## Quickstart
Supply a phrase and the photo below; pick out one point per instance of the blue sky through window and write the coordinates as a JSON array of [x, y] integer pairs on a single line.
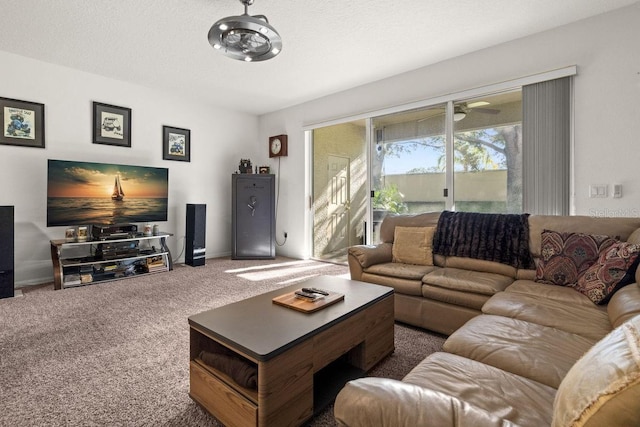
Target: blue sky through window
[[405, 156]]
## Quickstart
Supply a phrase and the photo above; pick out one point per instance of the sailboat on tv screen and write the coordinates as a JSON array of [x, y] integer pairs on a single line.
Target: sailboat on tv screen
[[118, 194]]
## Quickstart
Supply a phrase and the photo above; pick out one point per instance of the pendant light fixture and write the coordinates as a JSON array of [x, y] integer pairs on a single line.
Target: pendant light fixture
[[245, 37]]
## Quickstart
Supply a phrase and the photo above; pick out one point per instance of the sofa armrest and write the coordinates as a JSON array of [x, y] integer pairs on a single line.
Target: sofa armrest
[[385, 402], [363, 256]]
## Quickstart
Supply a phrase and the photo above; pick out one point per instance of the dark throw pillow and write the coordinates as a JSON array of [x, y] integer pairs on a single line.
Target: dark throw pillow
[[564, 257], [615, 268]]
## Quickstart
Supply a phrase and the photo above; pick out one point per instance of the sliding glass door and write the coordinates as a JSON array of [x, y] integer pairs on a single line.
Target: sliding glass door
[[462, 155], [487, 154], [408, 163]]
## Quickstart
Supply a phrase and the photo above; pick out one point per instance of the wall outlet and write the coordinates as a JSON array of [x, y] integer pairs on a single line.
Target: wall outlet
[[617, 191]]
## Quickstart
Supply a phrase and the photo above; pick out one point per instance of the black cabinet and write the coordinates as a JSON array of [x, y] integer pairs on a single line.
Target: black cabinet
[[6, 252], [253, 216]]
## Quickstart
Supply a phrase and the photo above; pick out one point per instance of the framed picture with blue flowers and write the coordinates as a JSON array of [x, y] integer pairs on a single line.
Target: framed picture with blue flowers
[[176, 144], [22, 123]]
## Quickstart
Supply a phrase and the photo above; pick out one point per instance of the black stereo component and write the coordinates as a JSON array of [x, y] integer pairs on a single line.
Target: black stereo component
[[116, 250], [102, 232], [196, 243]]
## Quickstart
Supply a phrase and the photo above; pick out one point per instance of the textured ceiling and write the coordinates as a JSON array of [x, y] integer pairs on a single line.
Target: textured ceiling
[[328, 45]]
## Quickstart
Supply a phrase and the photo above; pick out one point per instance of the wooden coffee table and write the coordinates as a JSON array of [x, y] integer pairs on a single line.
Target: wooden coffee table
[[302, 359]]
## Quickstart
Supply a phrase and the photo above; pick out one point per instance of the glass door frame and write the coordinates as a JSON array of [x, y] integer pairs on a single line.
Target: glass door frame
[[449, 99]]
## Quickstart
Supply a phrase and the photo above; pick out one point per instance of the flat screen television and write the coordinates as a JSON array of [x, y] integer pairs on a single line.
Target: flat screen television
[[84, 193]]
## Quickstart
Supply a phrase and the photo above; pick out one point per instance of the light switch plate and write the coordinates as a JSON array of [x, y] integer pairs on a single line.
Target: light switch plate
[[598, 190]]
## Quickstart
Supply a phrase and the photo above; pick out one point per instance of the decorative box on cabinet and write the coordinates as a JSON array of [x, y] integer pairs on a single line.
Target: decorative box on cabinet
[[92, 261], [253, 216]]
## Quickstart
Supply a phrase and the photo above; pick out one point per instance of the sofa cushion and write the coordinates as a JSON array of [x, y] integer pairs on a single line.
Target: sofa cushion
[[615, 268], [412, 245], [533, 351], [634, 237], [566, 256], [590, 321], [564, 294], [603, 387], [368, 255], [468, 280], [397, 269], [404, 278], [624, 305], [372, 401], [452, 296], [505, 395], [525, 274], [480, 265]]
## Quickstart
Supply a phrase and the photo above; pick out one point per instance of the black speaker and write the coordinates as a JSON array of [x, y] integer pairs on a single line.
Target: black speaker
[[6, 252], [196, 235]]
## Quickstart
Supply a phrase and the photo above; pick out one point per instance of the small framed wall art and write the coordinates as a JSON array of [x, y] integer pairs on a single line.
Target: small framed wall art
[[111, 125], [176, 144], [22, 123]]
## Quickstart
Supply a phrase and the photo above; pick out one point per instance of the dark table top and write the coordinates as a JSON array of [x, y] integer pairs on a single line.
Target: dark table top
[[262, 329]]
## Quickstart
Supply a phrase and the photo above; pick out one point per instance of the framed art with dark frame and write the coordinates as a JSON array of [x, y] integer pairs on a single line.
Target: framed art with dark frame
[[176, 144], [111, 125], [22, 123]]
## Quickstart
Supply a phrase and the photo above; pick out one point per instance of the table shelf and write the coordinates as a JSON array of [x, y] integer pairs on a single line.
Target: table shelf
[[80, 263]]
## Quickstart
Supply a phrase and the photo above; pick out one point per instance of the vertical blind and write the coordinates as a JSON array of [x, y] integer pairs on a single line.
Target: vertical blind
[[546, 134]]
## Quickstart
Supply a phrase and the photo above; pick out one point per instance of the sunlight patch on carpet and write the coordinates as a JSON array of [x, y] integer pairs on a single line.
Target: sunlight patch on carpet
[[282, 272], [302, 278], [269, 266]]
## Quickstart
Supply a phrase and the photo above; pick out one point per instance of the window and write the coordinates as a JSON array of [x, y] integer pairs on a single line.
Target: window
[[487, 154], [503, 149]]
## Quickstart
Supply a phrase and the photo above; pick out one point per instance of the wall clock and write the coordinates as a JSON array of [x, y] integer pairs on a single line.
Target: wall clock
[[278, 146]]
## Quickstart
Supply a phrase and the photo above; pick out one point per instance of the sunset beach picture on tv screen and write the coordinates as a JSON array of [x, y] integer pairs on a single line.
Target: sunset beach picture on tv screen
[[83, 193]]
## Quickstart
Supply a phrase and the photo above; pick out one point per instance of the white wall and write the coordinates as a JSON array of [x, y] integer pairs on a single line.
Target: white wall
[[607, 109], [218, 140], [607, 100]]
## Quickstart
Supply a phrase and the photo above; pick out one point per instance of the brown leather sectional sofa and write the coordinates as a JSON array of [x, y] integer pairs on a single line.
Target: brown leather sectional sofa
[[520, 352]]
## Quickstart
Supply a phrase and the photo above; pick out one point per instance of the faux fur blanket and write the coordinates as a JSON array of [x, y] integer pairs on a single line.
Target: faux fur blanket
[[503, 238]]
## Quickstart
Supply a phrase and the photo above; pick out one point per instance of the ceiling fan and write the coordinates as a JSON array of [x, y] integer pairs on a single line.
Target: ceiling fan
[[245, 37], [461, 109]]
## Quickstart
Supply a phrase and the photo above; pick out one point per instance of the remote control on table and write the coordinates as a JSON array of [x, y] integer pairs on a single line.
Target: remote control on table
[[315, 291], [307, 295]]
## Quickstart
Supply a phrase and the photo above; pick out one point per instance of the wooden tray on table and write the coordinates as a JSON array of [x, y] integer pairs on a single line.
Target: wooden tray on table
[[289, 300]]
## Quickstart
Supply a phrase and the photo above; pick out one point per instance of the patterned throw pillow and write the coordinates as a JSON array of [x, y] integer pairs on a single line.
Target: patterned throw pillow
[[564, 257], [615, 268], [412, 245]]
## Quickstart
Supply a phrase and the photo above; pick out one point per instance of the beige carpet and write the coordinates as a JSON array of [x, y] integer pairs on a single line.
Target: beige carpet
[[117, 353]]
